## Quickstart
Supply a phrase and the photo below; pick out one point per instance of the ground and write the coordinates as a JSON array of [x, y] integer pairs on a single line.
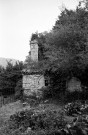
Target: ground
[[52, 112], [7, 110]]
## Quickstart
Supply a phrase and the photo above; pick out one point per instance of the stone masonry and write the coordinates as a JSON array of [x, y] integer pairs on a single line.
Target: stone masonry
[[33, 81]]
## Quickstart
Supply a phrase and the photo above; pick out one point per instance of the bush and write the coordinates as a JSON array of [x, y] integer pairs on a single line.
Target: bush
[[32, 100], [37, 120], [46, 92], [19, 90], [45, 122], [21, 119], [76, 108], [73, 108]]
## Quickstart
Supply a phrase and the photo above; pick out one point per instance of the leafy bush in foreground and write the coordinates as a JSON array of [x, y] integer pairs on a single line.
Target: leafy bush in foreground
[[45, 122], [55, 126], [37, 120], [76, 108]]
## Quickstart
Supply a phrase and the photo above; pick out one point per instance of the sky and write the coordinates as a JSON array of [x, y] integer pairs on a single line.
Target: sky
[[20, 18]]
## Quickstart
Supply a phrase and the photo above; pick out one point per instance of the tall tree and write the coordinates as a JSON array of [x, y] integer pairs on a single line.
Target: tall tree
[[9, 78], [68, 40]]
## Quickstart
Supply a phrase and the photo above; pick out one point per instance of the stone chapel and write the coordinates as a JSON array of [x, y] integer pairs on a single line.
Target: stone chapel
[[33, 80]]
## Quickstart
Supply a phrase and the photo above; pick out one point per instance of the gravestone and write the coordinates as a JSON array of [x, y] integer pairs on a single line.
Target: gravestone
[[74, 84]]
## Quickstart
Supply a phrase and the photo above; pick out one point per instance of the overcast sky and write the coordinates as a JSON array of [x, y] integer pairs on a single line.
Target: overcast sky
[[20, 18]]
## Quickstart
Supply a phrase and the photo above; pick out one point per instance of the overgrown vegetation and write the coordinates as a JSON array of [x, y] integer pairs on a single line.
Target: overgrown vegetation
[[63, 52], [47, 121], [10, 79]]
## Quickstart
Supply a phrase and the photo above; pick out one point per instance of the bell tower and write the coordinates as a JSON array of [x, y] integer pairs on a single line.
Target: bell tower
[[34, 50]]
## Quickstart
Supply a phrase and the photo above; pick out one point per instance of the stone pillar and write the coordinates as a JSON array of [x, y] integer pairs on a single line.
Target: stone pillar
[[34, 50]]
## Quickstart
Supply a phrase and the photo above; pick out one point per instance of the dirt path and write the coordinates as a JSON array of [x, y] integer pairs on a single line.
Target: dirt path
[[11, 108]]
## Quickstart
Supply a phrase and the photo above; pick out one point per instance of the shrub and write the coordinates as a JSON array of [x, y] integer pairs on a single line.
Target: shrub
[[21, 119], [73, 108], [48, 121], [46, 92], [76, 108], [45, 122], [36, 120]]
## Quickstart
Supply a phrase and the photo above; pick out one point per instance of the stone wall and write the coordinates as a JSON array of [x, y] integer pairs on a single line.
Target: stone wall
[[31, 83]]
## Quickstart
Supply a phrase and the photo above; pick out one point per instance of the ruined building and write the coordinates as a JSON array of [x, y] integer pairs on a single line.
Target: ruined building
[[33, 80]]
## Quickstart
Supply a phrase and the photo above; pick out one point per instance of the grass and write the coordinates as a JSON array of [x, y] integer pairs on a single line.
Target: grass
[[7, 110]]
